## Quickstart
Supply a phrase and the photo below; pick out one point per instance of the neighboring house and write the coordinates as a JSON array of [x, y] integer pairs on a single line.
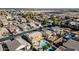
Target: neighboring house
[[1, 36], [32, 25], [4, 45], [16, 23], [18, 44], [38, 24], [4, 20], [9, 17], [72, 44], [76, 32], [14, 29], [47, 33], [72, 23], [1, 48], [23, 20], [77, 20], [1, 24], [61, 48], [24, 27], [58, 40], [56, 29]]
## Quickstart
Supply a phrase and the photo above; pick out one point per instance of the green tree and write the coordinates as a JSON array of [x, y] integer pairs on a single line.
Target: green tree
[[29, 15], [45, 21], [56, 22], [67, 17], [51, 17]]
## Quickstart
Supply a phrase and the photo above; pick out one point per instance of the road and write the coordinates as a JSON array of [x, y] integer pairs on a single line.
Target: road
[[20, 34]]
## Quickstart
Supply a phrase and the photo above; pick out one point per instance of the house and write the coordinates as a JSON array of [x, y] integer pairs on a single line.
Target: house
[[1, 36], [4, 32], [34, 37], [72, 44], [1, 24], [16, 18], [1, 48], [3, 20], [16, 23], [65, 23], [32, 25], [61, 48], [14, 29], [18, 44], [23, 20], [47, 33], [53, 38], [38, 24], [4, 45], [58, 40], [76, 19], [72, 23], [39, 18], [24, 27], [56, 29], [76, 32], [9, 17], [50, 35], [50, 21]]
